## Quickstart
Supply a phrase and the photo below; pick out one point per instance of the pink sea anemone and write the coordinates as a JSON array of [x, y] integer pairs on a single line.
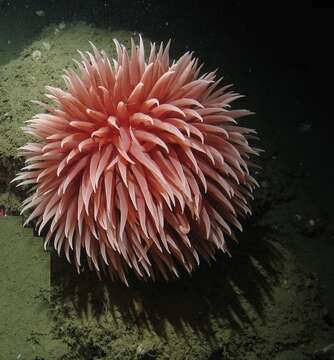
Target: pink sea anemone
[[140, 163]]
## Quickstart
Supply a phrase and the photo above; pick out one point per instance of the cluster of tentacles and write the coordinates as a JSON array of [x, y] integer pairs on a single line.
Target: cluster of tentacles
[[140, 163]]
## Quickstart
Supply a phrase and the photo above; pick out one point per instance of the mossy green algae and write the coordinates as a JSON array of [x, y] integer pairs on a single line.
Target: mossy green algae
[[25, 326], [24, 78]]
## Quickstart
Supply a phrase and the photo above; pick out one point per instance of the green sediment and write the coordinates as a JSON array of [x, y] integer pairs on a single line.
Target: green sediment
[[25, 327], [259, 305], [24, 78]]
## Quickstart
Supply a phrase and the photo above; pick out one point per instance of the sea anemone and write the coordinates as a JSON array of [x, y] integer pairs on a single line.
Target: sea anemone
[[140, 163]]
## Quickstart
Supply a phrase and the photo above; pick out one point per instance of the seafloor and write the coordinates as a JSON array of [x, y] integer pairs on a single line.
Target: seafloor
[[272, 300]]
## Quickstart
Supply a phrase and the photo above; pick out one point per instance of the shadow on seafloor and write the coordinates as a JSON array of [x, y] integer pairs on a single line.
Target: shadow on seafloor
[[223, 291]]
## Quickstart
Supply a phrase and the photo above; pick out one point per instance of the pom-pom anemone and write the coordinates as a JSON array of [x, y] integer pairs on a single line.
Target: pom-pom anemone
[[140, 163]]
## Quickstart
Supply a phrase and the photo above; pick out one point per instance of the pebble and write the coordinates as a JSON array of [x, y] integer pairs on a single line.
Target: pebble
[[138, 306], [46, 45], [62, 26], [305, 127], [298, 217], [36, 55], [40, 13], [264, 184], [311, 222], [3, 116], [285, 284]]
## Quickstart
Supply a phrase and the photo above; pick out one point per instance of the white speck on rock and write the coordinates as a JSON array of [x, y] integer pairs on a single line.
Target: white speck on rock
[[36, 55], [40, 13]]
